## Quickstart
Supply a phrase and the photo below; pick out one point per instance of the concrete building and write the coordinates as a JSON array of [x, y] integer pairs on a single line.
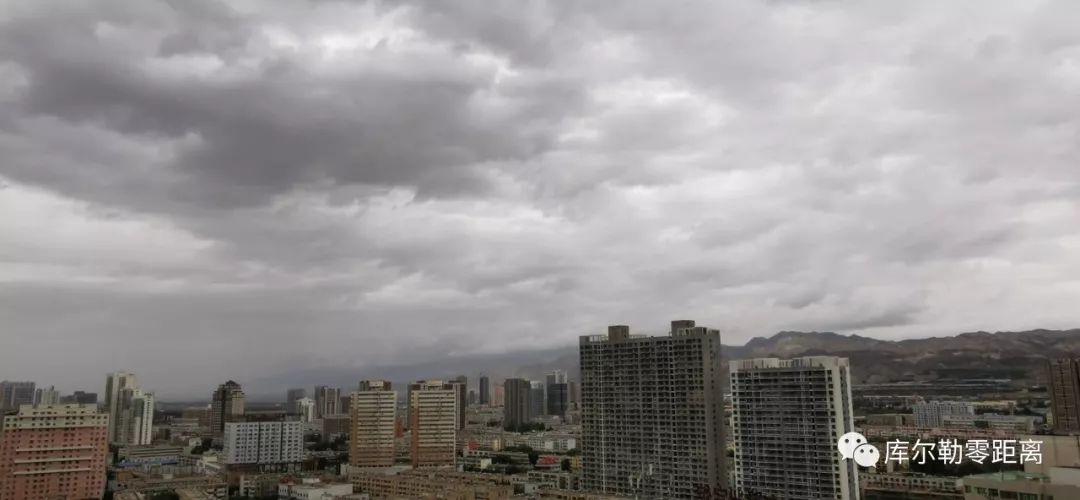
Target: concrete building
[[911, 486], [485, 390], [53, 451], [305, 409], [292, 396], [263, 442], [932, 413], [130, 410], [327, 401], [433, 484], [787, 415], [572, 394], [557, 399], [1063, 385], [497, 395], [537, 399], [1018, 423], [373, 413], [46, 397], [312, 489], [80, 397], [517, 408], [461, 385], [15, 394], [652, 413], [226, 405], [432, 423]]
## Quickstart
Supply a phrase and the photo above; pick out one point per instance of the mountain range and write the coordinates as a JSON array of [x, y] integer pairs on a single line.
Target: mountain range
[[1015, 355]]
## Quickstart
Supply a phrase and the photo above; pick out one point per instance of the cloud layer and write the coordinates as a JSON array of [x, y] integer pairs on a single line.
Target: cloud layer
[[200, 190]]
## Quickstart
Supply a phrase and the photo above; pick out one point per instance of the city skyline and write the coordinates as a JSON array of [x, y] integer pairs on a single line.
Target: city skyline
[[277, 188]]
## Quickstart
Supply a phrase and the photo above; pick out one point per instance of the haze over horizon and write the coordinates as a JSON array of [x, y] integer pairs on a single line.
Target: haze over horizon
[[204, 190]]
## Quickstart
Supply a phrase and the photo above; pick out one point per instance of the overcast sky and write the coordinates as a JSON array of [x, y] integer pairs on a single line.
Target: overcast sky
[[198, 190]]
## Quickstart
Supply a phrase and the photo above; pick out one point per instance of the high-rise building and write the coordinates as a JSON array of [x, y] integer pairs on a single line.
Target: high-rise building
[[557, 399], [537, 399], [485, 390], [787, 416], [292, 396], [15, 394], [652, 413], [54, 451], [46, 397], [517, 408], [472, 398], [305, 409], [226, 405], [933, 413], [135, 424], [327, 401], [1063, 384], [263, 442], [556, 377], [373, 415], [573, 394], [461, 385], [433, 423], [130, 410], [497, 396]]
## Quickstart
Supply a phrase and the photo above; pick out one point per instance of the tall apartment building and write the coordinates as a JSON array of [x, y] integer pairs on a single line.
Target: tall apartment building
[[327, 401], [573, 394], [130, 410], [305, 409], [433, 423], [226, 405], [652, 413], [557, 401], [461, 385], [933, 413], [15, 394], [263, 442], [1063, 384], [787, 415], [372, 415], [497, 395], [517, 407], [54, 451], [291, 397], [135, 424], [537, 399], [485, 390], [49, 396]]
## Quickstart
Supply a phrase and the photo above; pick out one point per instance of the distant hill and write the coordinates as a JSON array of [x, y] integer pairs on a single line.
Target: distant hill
[[974, 354]]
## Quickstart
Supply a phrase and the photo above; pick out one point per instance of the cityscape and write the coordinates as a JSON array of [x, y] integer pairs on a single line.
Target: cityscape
[[639, 416], [539, 250]]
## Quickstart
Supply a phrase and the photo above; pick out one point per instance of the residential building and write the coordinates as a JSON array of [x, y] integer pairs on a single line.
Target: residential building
[[485, 390], [53, 451], [497, 395], [373, 413], [15, 394], [80, 397], [537, 399], [305, 409], [47, 397], [787, 416], [130, 410], [432, 423], [265, 442], [226, 405], [652, 413], [1063, 385], [433, 484], [292, 396], [461, 385], [517, 409], [910, 485], [312, 489], [932, 413], [572, 394], [1019, 423], [327, 401], [557, 399]]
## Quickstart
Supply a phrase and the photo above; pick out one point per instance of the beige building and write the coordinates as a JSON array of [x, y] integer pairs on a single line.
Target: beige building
[[226, 405], [433, 484], [432, 423], [373, 414]]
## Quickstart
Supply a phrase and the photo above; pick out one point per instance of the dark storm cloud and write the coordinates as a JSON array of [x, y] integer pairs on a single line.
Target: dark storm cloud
[[274, 186]]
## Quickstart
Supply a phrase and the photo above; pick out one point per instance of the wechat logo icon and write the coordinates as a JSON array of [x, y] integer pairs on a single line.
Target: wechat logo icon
[[853, 446]]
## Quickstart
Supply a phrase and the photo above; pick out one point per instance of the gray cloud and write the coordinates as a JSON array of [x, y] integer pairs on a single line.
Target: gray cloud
[[205, 190]]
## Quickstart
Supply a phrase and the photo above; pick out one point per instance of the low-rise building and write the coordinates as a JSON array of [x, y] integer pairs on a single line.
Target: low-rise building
[[1018, 423], [910, 485], [433, 483], [1060, 483], [312, 489]]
